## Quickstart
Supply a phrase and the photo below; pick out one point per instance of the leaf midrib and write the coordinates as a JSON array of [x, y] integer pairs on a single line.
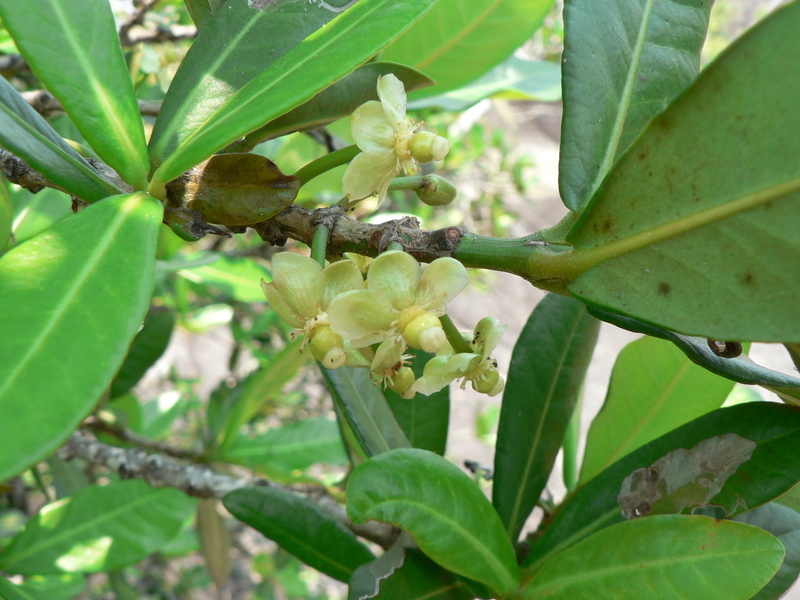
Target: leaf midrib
[[98, 254], [52, 541], [110, 108], [498, 566], [580, 259], [512, 523]]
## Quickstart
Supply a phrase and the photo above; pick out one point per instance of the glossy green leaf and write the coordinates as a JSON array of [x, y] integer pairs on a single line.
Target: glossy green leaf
[[237, 278], [336, 102], [323, 58], [513, 79], [654, 388], [58, 587], [486, 31], [25, 133], [544, 378], [33, 213], [293, 446], [300, 527], [98, 529], [82, 41], [424, 419], [710, 248], [771, 470], [441, 507], [405, 574], [73, 299], [666, 557], [235, 46], [740, 369], [147, 347], [784, 523], [624, 62], [364, 407]]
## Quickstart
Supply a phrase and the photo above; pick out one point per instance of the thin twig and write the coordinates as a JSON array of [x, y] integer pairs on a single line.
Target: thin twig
[[99, 426], [47, 105]]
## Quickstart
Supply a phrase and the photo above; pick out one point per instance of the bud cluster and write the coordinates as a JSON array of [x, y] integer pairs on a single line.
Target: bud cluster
[[374, 322]]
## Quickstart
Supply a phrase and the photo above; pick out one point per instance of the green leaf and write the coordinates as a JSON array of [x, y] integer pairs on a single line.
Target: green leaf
[[364, 407], [234, 47], [236, 277], [321, 59], [441, 507], [300, 527], [293, 446], [73, 299], [487, 31], [25, 133], [770, 471], [784, 523], [6, 214], [60, 587], [336, 102], [654, 388], [710, 248], [33, 213], [147, 347], [740, 369], [100, 528], [424, 419], [513, 79], [624, 62], [545, 376], [405, 574], [97, 92], [666, 557]]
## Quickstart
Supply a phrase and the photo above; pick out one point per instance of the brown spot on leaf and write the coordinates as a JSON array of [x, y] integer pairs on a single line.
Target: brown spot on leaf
[[664, 288]]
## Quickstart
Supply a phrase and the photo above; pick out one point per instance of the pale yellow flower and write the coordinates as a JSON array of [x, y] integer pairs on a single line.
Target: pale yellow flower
[[388, 142]]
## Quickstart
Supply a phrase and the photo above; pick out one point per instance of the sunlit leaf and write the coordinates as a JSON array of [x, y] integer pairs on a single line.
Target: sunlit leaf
[[77, 292], [667, 557], [100, 528], [441, 507], [82, 65]]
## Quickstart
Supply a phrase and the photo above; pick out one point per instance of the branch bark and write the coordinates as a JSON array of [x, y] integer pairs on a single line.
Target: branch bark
[[198, 481]]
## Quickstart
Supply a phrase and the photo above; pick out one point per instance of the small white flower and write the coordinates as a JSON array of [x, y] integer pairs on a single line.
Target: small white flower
[[388, 142]]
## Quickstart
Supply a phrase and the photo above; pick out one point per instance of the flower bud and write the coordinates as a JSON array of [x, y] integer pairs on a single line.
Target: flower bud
[[335, 358], [425, 332], [436, 191], [323, 342], [402, 381], [426, 147], [487, 382]]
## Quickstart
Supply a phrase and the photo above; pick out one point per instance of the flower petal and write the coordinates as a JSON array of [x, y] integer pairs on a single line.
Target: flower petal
[[298, 281], [361, 316], [487, 335], [370, 173], [340, 277], [441, 281], [389, 353], [392, 95], [395, 275], [279, 305], [371, 128]]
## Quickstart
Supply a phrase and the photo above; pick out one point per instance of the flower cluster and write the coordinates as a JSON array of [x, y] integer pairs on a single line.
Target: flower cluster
[[375, 323]]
